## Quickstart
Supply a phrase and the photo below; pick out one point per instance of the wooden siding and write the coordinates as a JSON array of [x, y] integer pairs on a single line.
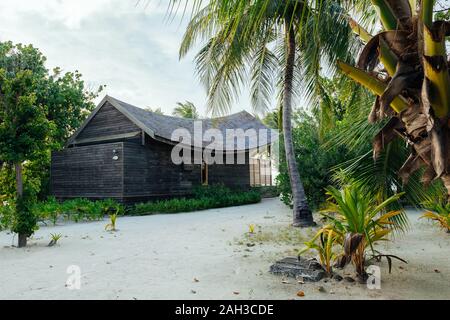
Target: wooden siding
[[107, 122], [141, 173], [149, 172], [231, 175], [88, 172]]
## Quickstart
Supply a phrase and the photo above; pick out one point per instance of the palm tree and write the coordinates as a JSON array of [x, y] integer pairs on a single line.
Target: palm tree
[[156, 110], [186, 110], [406, 67], [276, 46], [272, 119]]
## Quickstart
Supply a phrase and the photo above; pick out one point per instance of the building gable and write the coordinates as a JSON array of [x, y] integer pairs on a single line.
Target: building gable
[[108, 123]]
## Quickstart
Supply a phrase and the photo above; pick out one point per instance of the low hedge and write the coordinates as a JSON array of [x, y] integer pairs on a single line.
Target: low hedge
[[202, 200], [77, 210], [268, 191]]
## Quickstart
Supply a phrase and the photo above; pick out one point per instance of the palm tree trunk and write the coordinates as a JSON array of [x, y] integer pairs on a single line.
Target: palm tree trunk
[[19, 190], [302, 214]]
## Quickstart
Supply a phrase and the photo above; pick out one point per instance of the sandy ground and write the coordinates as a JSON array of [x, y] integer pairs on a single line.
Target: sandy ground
[[206, 255]]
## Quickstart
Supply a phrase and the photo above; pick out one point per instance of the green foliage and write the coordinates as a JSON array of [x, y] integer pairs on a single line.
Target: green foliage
[[272, 120], [204, 198], [56, 237], [355, 222], [438, 210], [76, 210], [156, 110], [112, 225], [45, 107], [214, 191], [6, 215], [315, 161], [267, 191], [186, 110], [243, 43], [24, 220], [324, 243]]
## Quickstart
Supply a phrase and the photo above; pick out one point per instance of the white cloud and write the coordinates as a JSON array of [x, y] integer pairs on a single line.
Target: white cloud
[[125, 44]]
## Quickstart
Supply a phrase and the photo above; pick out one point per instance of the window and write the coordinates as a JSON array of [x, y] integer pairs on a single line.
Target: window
[[204, 174]]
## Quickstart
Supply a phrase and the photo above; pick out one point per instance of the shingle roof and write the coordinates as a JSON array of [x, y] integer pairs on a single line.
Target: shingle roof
[[162, 127]]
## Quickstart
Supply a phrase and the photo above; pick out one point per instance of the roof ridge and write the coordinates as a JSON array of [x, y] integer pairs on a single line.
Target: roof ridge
[[174, 117]]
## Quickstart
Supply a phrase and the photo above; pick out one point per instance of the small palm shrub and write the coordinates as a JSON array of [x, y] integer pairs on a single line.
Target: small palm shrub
[[324, 243], [355, 221], [112, 225], [49, 210], [438, 210], [54, 239]]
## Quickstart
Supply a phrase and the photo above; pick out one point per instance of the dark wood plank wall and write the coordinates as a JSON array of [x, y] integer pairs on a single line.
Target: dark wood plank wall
[[108, 121], [231, 175], [150, 172], [88, 172]]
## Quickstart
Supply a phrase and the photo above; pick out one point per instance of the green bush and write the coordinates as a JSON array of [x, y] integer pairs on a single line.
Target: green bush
[[315, 162], [6, 215], [268, 191], [76, 210], [25, 220], [204, 198], [214, 191]]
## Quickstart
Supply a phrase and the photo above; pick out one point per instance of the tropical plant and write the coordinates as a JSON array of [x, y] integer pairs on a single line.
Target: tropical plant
[[273, 45], [110, 206], [156, 110], [406, 67], [316, 160], [438, 210], [112, 225], [186, 110], [324, 243], [272, 119], [48, 210], [54, 239], [6, 215], [359, 221]]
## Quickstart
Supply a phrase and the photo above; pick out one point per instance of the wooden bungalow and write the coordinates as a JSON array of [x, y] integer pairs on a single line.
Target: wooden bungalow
[[124, 152]]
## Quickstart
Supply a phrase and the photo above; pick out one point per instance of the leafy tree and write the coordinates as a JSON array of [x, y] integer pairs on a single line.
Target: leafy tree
[[315, 160], [38, 112], [276, 46], [23, 123], [69, 102], [272, 119], [186, 110]]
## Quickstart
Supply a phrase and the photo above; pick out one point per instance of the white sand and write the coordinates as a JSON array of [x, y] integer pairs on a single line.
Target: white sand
[[158, 257]]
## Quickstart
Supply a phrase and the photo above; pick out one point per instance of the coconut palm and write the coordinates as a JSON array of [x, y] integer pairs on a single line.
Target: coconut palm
[[276, 47], [186, 110], [156, 110], [359, 221], [406, 67]]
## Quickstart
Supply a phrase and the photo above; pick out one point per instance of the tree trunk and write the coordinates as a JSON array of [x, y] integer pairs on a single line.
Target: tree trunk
[[302, 214], [19, 191]]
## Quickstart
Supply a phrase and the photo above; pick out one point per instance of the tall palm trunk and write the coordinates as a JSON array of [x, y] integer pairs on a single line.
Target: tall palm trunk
[[302, 213], [19, 189]]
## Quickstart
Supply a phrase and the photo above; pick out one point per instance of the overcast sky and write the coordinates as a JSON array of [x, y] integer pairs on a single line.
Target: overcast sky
[[129, 47]]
